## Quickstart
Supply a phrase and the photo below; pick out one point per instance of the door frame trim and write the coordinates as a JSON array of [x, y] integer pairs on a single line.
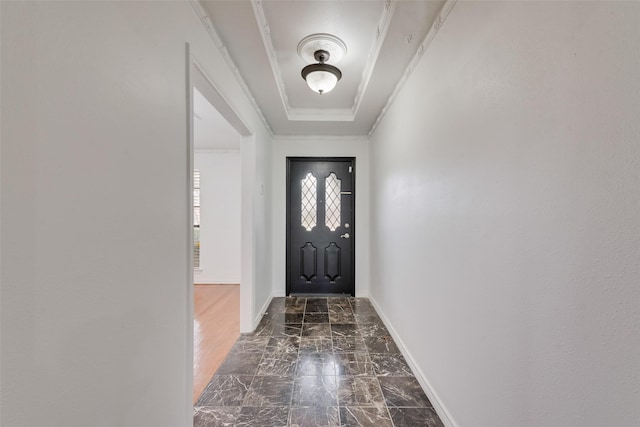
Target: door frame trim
[[288, 216]]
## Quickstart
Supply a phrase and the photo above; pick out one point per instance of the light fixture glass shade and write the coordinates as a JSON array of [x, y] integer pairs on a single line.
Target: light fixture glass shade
[[321, 81]]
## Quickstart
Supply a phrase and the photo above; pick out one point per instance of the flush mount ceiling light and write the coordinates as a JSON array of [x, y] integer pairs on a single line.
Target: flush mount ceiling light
[[321, 77]]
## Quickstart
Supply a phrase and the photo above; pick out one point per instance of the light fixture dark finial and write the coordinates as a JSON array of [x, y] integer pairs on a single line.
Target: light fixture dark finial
[[321, 56]]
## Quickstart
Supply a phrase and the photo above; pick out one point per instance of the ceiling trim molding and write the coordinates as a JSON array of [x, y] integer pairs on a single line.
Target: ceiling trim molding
[[340, 115], [265, 33], [435, 27], [381, 34], [320, 138], [208, 26], [334, 114], [321, 115], [216, 150]]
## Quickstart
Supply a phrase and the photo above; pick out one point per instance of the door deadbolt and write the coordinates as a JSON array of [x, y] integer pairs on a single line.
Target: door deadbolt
[[345, 235]]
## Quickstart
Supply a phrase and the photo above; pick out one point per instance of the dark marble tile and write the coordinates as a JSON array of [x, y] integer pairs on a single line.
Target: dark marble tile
[[316, 318], [345, 330], [290, 318], [357, 301], [316, 306], [318, 364], [339, 300], [276, 304], [362, 306], [415, 417], [240, 364], [363, 312], [269, 391], [403, 391], [281, 317], [264, 328], [373, 329], [316, 330], [315, 354], [390, 365], [349, 345], [315, 391], [295, 309], [365, 417], [294, 301], [359, 391], [263, 417], [283, 345], [367, 318], [383, 344], [225, 390], [342, 318], [314, 417], [353, 364], [315, 345], [250, 344], [287, 330], [280, 364], [221, 416], [340, 308]]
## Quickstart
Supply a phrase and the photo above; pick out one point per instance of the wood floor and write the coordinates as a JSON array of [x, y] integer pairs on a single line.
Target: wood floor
[[216, 326]]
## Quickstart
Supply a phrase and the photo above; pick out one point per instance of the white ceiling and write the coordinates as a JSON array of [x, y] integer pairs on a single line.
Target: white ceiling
[[261, 38], [211, 131]]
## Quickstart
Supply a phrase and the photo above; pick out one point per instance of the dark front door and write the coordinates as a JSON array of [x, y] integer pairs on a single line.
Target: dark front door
[[320, 225]]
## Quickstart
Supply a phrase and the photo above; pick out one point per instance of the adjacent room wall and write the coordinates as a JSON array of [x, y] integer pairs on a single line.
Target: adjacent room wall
[[95, 302], [506, 214], [219, 216], [303, 146]]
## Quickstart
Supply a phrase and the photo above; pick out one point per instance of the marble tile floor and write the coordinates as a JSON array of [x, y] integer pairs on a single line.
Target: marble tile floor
[[315, 362]]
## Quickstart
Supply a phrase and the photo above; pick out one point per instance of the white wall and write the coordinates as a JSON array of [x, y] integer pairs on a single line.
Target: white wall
[[262, 258], [95, 290], [506, 214], [219, 216], [303, 146]]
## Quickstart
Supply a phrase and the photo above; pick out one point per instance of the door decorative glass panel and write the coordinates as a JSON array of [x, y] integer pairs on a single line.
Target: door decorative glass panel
[[309, 216], [332, 201]]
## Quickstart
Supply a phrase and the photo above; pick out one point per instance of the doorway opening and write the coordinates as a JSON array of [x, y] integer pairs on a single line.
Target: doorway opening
[[216, 149], [216, 239]]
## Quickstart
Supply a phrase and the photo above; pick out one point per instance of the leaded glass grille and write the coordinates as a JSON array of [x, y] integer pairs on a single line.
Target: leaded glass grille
[[332, 201], [309, 202]]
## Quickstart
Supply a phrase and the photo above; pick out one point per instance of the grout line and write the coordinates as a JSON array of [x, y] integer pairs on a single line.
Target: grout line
[[384, 400], [295, 371], [335, 370]]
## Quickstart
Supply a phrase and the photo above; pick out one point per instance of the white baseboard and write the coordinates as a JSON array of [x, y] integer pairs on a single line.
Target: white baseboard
[[263, 309], [261, 312], [444, 415]]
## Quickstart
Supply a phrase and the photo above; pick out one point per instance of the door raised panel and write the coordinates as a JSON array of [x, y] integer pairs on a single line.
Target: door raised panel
[[308, 261], [332, 266]]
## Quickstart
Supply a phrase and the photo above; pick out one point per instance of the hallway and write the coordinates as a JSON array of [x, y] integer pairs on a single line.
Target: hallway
[[497, 216], [315, 362]]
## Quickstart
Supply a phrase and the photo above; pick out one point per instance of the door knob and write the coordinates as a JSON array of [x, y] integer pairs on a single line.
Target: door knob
[[345, 235]]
